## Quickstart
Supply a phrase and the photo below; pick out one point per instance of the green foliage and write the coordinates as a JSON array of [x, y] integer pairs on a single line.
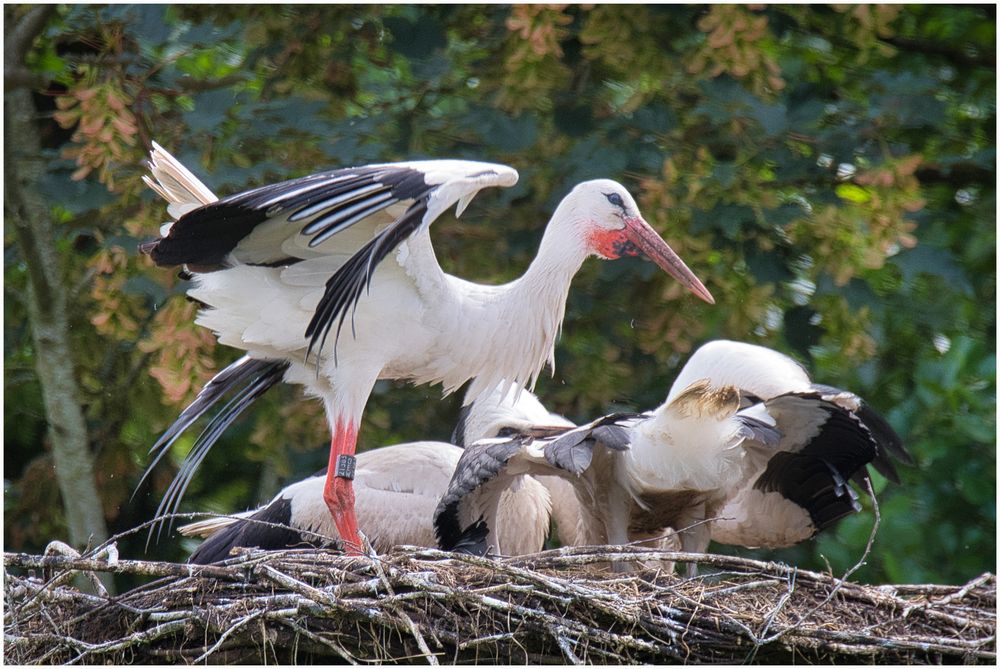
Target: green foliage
[[829, 172]]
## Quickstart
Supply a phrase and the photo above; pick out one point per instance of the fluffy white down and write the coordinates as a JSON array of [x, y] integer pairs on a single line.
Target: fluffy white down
[[523, 517], [507, 405], [677, 450]]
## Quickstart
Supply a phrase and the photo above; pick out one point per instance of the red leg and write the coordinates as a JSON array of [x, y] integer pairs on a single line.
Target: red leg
[[339, 492]]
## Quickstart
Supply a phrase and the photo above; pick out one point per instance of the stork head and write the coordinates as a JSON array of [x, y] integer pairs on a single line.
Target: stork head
[[506, 411], [612, 227]]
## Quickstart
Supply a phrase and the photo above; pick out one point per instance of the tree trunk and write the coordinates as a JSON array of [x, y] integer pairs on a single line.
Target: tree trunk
[[27, 210]]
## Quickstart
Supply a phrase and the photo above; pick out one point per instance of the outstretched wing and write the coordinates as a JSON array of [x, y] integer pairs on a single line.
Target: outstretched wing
[[490, 466], [304, 218], [800, 485]]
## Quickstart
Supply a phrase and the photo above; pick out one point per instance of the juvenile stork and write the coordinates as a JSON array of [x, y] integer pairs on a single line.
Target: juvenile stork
[[279, 267], [745, 450], [398, 487]]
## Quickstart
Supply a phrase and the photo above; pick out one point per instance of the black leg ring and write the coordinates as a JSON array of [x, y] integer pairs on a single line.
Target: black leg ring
[[345, 466]]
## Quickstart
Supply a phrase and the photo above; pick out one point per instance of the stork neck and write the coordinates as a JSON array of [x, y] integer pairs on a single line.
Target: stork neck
[[545, 284], [560, 256], [530, 310]]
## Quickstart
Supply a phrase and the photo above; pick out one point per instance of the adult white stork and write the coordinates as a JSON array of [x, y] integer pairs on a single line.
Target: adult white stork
[[279, 266], [398, 487], [716, 461]]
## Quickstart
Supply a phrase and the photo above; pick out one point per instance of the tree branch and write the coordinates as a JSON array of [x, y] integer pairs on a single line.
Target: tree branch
[[17, 42], [192, 85], [21, 77]]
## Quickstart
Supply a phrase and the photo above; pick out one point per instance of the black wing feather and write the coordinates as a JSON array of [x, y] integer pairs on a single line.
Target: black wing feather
[[322, 204], [344, 288], [811, 483], [250, 379], [574, 451], [204, 237], [473, 540], [480, 463], [890, 445], [815, 477], [270, 528], [245, 370]]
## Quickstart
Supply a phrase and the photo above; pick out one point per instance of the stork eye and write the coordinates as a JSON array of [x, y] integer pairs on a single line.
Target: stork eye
[[615, 199]]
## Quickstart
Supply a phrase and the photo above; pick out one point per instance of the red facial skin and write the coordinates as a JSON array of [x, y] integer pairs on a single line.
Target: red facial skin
[[637, 236], [611, 244]]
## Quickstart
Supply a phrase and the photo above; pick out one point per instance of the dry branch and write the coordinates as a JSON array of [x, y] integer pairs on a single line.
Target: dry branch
[[428, 606]]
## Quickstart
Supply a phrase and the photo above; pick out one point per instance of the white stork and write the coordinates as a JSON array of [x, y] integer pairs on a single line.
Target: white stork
[[398, 487], [745, 450], [278, 267], [787, 497]]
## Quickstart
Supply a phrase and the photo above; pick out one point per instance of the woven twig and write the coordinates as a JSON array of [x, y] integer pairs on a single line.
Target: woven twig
[[421, 605]]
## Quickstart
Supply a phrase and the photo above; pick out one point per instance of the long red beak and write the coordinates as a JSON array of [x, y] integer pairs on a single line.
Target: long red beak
[[646, 239]]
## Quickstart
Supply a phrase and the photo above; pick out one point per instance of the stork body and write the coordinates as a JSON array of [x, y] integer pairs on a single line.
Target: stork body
[[636, 476], [347, 253], [787, 497], [715, 461], [508, 411], [398, 487]]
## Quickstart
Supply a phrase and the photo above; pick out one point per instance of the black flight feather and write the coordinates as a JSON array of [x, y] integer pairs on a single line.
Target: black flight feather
[[268, 529], [816, 477], [480, 463], [249, 378], [890, 445], [574, 451], [344, 288], [245, 370], [473, 541]]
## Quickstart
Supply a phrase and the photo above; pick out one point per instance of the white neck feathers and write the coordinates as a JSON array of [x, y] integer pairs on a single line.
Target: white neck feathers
[[529, 312]]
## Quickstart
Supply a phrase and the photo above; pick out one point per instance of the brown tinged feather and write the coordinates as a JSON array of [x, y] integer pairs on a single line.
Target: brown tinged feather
[[700, 399]]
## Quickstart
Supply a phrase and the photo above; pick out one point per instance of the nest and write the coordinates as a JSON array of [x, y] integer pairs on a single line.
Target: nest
[[428, 606]]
